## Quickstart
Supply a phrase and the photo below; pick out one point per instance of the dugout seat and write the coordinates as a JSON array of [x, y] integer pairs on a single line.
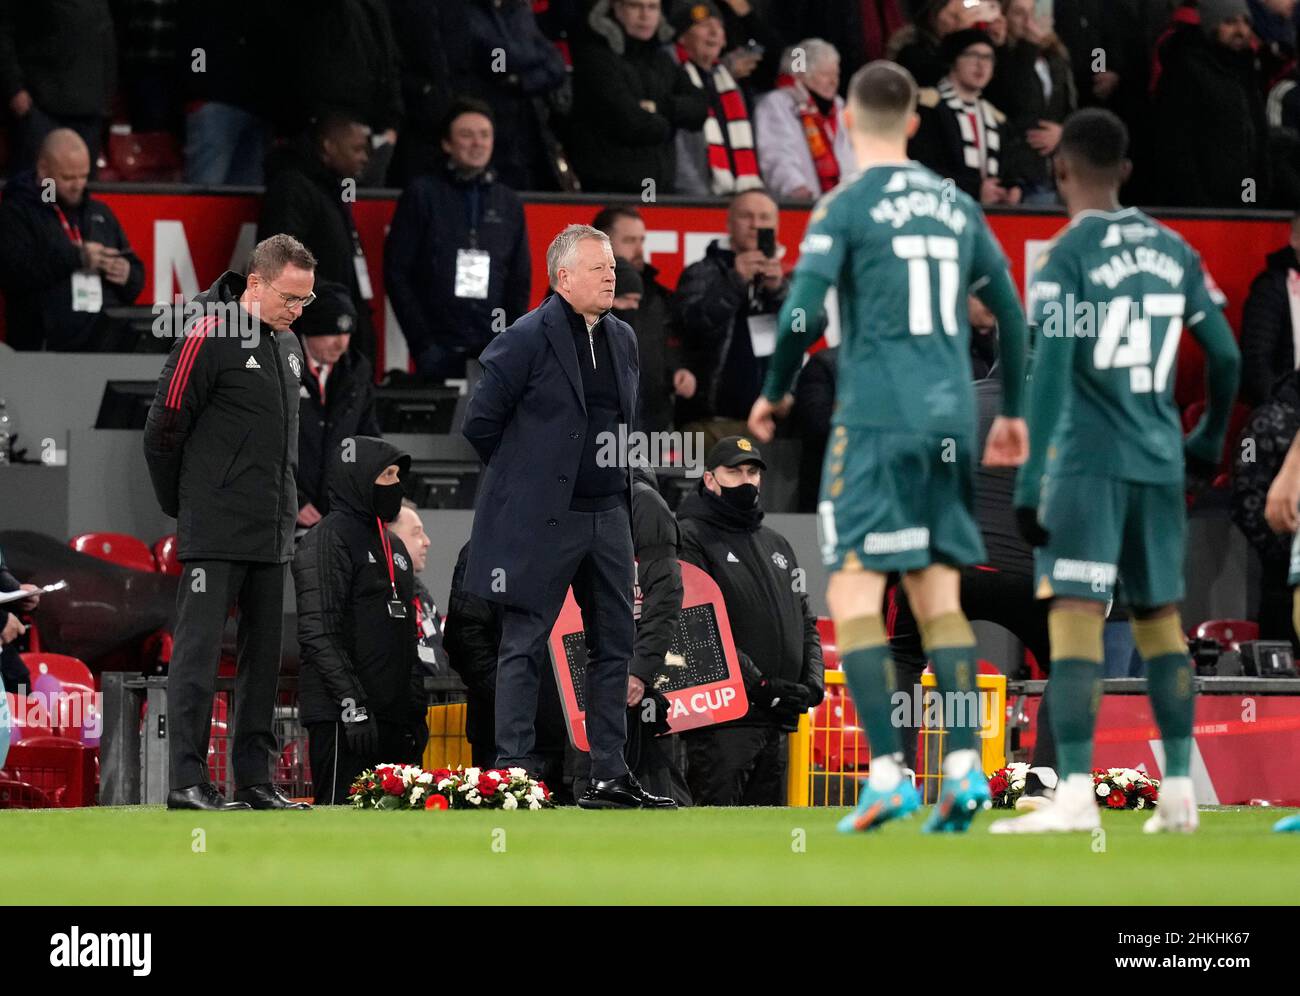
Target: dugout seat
[[143, 156], [1230, 633], [58, 674], [116, 548], [826, 632], [165, 558]]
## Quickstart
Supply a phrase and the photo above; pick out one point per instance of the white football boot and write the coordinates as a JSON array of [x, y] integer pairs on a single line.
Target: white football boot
[[1175, 808], [1072, 809]]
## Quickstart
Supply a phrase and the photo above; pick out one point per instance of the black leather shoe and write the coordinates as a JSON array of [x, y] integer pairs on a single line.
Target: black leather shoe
[[267, 797], [624, 792], [201, 796]]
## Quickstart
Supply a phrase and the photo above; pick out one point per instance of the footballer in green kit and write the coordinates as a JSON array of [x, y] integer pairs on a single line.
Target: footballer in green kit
[[903, 248], [1101, 496]]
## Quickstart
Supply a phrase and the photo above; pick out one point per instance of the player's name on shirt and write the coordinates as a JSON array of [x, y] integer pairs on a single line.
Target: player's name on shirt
[[901, 202]]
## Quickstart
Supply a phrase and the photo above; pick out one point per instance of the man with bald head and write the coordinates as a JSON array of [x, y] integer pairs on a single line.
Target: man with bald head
[[63, 256], [725, 312]]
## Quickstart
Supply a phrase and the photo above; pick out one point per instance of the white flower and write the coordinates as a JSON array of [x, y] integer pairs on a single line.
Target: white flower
[[409, 775], [534, 804], [471, 774], [473, 798], [416, 793], [1103, 789], [1142, 803], [496, 775], [517, 772], [510, 802], [445, 783], [537, 793], [425, 778]]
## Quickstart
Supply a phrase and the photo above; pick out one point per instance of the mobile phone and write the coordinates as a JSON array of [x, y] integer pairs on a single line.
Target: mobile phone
[[767, 242]]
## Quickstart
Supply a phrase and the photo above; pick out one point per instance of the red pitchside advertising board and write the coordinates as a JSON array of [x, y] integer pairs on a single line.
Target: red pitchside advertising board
[[703, 684], [187, 240]]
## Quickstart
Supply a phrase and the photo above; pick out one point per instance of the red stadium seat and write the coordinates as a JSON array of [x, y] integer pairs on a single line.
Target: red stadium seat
[[1230, 633], [21, 795], [59, 678], [116, 548], [135, 156], [164, 555], [830, 655], [65, 771]]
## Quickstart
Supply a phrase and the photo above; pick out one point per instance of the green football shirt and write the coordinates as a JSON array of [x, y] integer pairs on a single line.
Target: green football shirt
[[1109, 299], [903, 248]]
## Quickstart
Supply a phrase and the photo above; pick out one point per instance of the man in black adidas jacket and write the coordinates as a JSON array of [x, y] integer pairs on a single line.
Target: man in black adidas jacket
[[361, 693], [221, 442], [743, 762]]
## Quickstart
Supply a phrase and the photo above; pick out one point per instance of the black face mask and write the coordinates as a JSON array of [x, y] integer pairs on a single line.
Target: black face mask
[[743, 497], [387, 501]]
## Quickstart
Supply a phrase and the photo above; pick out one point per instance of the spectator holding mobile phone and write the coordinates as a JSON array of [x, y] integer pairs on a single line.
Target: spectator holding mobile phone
[[724, 311]]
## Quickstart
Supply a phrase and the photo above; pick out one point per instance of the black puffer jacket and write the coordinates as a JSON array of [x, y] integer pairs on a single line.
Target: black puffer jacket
[[755, 567], [1267, 347], [656, 539], [353, 650], [221, 439], [615, 143], [1265, 439]]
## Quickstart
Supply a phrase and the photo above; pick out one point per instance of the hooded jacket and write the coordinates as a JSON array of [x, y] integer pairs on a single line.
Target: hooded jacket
[[354, 652], [1267, 340], [37, 261], [221, 439], [755, 568]]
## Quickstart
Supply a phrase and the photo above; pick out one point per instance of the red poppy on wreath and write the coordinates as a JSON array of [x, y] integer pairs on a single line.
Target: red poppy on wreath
[[997, 784], [1116, 799], [440, 773], [487, 784], [436, 802], [392, 784], [1148, 791]]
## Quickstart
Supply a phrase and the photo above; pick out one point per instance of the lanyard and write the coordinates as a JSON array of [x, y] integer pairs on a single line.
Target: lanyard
[[71, 231], [388, 556]]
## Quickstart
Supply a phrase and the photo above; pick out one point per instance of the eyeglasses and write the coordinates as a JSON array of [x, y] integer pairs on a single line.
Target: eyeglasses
[[289, 300]]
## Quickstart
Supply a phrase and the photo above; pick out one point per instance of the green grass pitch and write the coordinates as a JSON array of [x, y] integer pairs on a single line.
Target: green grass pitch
[[146, 855]]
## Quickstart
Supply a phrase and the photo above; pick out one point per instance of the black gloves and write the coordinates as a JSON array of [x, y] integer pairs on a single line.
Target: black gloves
[[362, 734], [1030, 528], [785, 700]]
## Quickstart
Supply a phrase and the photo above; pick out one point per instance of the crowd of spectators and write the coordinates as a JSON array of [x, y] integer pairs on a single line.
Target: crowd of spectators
[[651, 97]]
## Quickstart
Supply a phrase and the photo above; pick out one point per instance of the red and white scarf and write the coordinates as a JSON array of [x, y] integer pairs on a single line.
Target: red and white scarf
[[732, 160], [818, 131]]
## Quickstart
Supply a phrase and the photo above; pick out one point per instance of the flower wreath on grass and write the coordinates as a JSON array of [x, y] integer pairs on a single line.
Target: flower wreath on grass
[[1116, 788], [408, 786]]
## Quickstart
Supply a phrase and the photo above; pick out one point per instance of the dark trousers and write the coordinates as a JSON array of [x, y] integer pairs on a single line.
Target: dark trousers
[[602, 576], [334, 767], [1000, 597], [736, 766], [207, 592]]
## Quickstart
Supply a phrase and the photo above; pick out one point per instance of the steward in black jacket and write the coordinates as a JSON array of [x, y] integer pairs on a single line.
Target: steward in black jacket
[[37, 261], [336, 401], [743, 762], [775, 631], [360, 685], [221, 439]]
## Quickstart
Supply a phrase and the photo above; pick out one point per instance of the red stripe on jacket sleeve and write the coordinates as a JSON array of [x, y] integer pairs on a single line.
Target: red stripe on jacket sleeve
[[181, 375]]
